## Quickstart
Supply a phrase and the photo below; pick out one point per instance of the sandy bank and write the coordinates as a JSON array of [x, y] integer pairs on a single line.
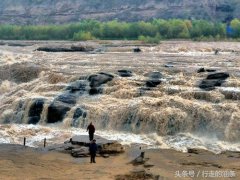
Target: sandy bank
[[18, 162]]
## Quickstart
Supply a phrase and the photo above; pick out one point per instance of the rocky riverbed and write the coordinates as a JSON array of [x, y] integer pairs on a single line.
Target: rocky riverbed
[[175, 95]]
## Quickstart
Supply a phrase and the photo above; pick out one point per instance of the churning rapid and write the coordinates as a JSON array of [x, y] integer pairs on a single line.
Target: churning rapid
[[173, 95]]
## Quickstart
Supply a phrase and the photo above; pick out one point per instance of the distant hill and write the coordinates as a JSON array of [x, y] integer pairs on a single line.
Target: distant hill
[[22, 12]]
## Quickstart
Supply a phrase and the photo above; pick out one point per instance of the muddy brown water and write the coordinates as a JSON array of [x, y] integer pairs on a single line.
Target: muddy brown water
[[176, 105]]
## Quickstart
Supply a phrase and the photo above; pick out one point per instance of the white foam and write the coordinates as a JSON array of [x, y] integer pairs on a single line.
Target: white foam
[[230, 89], [56, 134], [183, 141]]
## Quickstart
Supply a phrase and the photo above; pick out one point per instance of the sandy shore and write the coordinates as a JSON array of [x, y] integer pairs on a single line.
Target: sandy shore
[[18, 162]]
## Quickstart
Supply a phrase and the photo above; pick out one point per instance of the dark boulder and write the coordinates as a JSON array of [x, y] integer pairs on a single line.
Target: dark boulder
[[210, 84], [136, 50], [55, 49], [125, 73], [95, 91], [67, 98], [66, 49], [221, 76], [211, 70], [78, 113], [153, 82], [97, 80], [33, 119], [35, 111], [57, 111], [107, 74], [200, 70], [78, 86], [213, 80]]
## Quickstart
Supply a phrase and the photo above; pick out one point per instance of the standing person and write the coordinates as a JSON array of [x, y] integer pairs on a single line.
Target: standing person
[[91, 131], [93, 150]]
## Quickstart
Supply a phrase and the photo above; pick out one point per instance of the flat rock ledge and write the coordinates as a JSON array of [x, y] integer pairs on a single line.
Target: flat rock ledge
[[78, 146]]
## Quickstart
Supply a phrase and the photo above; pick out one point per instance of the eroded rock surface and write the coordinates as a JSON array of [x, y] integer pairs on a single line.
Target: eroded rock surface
[[78, 146], [65, 49], [213, 80]]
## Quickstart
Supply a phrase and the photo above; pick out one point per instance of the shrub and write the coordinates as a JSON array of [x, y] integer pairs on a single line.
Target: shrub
[[83, 36]]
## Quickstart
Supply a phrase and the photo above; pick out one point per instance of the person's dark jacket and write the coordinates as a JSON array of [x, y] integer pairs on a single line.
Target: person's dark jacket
[[93, 148], [91, 129]]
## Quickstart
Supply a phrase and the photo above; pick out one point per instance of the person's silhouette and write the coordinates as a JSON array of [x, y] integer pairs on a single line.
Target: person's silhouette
[[93, 150], [91, 131]]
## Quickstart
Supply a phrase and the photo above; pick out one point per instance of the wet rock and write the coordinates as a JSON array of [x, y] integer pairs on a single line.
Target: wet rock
[[33, 120], [35, 111], [78, 86], [54, 49], [57, 111], [95, 91], [136, 50], [211, 70], [97, 80], [213, 80], [78, 113], [221, 76], [65, 49], [104, 146], [67, 98], [154, 79], [125, 73], [168, 65], [153, 82], [210, 84], [206, 70], [201, 70]]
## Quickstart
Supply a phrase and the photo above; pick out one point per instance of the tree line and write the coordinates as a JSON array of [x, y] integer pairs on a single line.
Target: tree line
[[151, 31]]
